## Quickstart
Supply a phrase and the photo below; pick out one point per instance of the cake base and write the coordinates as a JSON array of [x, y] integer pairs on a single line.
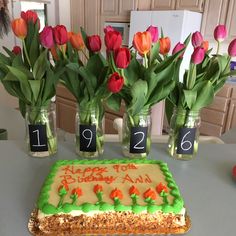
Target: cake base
[[124, 223]]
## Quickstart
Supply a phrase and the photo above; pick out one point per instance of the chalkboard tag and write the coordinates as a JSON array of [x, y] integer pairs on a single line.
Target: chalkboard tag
[[186, 140], [87, 138], [38, 138], [138, 139]]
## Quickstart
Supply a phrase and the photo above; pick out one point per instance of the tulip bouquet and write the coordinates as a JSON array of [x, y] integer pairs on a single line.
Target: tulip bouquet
[[26, 73], [87, 81], [142, 81], [204, 78]]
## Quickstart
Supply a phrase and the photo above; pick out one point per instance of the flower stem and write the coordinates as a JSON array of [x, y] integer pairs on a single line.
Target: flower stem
[[84, 54], [145, 61], [26, 53], [218, 47]]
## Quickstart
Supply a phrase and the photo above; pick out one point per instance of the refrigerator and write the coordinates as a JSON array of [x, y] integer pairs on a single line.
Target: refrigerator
[[177, 25]]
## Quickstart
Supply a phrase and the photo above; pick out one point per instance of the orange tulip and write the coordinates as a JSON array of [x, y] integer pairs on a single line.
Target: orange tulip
[[164, 45], [142, 42], [76, 41], [19, 28], [53, 51], [69, 35], [205, 45]]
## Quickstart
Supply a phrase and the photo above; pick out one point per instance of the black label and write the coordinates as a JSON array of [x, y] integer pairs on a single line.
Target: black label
[[38, 138], [186, 140], [138, 140], [87, 138]]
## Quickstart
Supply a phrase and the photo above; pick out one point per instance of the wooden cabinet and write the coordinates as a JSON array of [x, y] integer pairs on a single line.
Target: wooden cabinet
[[231, 20], [109, 7], [143, 5], [163, 5], [215, 12], [231, 121], [193, 5]]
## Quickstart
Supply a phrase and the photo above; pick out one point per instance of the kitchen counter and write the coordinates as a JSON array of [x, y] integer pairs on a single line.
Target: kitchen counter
[[205, 183]]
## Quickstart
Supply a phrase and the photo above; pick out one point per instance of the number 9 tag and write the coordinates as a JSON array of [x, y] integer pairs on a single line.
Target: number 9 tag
[[87, 138], [186, 140]]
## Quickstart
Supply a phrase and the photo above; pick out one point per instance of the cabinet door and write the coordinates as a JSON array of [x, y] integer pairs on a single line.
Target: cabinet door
[[125, 6], [163, 4], [77, 14], [144, 5], [231, 121], [231, 20], [109, 7], [214, 13], [193, 5]]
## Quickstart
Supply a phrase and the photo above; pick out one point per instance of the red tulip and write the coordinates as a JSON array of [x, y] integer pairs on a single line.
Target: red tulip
[[113, 40], [115, 83], [154, 33], [232, 48], [142, 42], [94, 43], [16, 50], [205, 45], [198, 55], [178, 47], [108, 28], [76, 41], [60, 34], [122, 57], [220, 33], [164, 45], [19, 28], [29, 16], [197, 39], [46, 37]]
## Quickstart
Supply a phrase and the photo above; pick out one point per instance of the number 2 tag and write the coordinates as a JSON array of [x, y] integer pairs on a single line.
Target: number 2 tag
[[38, 138], [138, 140], [186, 140], [87, 138]]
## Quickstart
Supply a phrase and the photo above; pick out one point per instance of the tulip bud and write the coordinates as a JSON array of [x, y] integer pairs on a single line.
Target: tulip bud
[[94, 43], [178, 47], [19, 28], [232, 48], [142, 42], [60, 34], [220, 33], [205, 45], [122, 57], [16, 50], [108, 28], [198, 55], [46, 37], [164, 45], [154, 33], [113, 40], [115, 83], [197, 39], [76, 41]]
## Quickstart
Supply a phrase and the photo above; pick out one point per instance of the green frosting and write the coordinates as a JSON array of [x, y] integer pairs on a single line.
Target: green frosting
[[48, 208]]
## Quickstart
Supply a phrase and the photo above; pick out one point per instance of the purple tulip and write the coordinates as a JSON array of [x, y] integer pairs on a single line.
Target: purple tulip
[[179, 46], [46, 37], [154, 33], [197, 39], [198, 55], [232, 48], [220, 33]]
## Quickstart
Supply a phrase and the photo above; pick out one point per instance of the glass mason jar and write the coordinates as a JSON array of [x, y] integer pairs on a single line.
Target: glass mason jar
[[41, 136], [89, 123], [184, 134], [136, 134]]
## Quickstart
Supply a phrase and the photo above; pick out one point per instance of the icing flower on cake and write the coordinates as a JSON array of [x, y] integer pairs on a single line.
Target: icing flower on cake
[[150, 196], [97, 188], [116, 195], [63, 189], [161, 187], [134, 191], [77, 191]]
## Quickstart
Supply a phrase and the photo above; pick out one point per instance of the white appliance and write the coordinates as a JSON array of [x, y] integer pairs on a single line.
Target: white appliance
[[177, 25]]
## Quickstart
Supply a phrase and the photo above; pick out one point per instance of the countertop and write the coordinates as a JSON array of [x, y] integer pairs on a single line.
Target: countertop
[[205, 183]]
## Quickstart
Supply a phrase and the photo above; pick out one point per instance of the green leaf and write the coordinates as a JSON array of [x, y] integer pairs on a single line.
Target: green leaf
[[169, 108], [84, 36], [114, 102], [190, 97], [40, 66], [9, 52], [4, 59], [35, 87], [154, 52], [34, 46], [138, 92], [22, 107]]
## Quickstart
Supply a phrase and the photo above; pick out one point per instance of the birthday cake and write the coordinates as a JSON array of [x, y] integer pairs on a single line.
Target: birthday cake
[[109, 197]]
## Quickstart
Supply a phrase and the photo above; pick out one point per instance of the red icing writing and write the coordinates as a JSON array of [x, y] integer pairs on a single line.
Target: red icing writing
[[122, 168], [67, 179], [89, 170], [140, 179]]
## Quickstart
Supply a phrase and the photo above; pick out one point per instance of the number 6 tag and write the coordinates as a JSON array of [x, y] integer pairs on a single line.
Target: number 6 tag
[[138, 140], [87, 138], [186, 140]]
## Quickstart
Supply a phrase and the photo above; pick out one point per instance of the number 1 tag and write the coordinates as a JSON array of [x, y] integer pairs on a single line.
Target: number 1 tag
[[87, 138], [38, 138], [186, 140], [138, 140]]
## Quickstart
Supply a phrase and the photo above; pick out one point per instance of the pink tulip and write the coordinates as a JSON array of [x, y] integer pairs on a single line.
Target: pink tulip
[[46, 37], [220, 33], [197, 39], [198, 55], [108, 28], [154, 33], [232, 48], [179, 46]]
